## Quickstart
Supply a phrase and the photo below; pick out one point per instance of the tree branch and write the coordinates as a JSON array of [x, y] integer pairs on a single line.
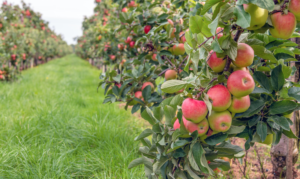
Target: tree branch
[[209, 38]]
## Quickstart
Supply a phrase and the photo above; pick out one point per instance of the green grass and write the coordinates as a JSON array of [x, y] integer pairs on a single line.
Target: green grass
[[53, 125]]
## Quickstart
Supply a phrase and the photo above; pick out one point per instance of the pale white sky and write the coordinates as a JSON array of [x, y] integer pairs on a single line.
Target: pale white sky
[[65, 16]]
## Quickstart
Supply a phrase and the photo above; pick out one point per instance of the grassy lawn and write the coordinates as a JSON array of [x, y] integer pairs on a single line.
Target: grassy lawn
[[53, 125]]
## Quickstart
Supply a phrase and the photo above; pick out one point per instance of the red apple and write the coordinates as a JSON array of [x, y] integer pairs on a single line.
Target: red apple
[[294, 7], [240, 83], [176, 124], [147, 28], [220, 96], [112, 57], [131, 4], [131, 44], [146, 84], [182, 39], [124, 9], [215, 63], [240, 105], [178, 49], [154, 57], [139, 95], [194, 110], [284, 25], [201, 127], [245, 56], [128, 40], [170, 75], [220, 121]]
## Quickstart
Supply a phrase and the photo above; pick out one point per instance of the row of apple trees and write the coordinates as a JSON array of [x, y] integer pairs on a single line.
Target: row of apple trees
[[200, 73], [26, 40]]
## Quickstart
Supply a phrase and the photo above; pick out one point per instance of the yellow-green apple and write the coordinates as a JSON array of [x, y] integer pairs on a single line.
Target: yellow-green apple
[[154, 57], [289, 115], [170, 75], [245, 55], [215, 63], [139, 95], [201, 127], [220, 121], [147, 28], [268, 140], [284, 25], [146, 84], [220, 96], [194, 110], [258, 15], [178, 49], [294, 7], [235, 68], [240, 83], [240, 105]]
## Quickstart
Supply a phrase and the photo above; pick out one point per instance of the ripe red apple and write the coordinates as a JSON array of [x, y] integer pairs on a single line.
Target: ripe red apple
[[220, 34], [284, 25], [178, 49], [201, 127], [194, 110], [220, 121], [170, 75], [28, 13], [124, 9], [147, 28], [154, 57], [220, 96], [215, 63], [98, 0], [240, 83], [131, 4], [294, 7], [182, 39], [120, 46], [176, 124], [245, 56], [122, 62], [173, 33], [131, 44], [118, 85], [240, 105], [128, 40], [146, 84], [99, 37], [13, 57], [139, 95], [112, 57]]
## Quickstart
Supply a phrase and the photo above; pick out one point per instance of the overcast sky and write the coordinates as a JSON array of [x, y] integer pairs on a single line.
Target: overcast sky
[[65, 16]]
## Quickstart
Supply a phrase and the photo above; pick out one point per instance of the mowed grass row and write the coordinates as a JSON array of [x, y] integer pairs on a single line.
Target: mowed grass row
[[53, 125]]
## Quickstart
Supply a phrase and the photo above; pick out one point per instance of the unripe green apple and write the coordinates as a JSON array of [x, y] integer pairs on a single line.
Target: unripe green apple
[[194, 110], [284, 25], [294, 7], [215, 63], [170, 75], [240, 83], [220, 121], [258, 15], [146, 84], [289, 115], [220, 96], [178, 49], [245, 56], [201, 127], [268, 140], [240, 105]]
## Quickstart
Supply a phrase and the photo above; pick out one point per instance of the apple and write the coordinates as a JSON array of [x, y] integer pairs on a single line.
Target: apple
[[220, 96], [112, 57], [120, 46], [245, 56], [258, 15], [147, 28], [173, 33], [118, 85], [154, 57], [169, 22], [146, 84], [219, 29], [132, 4], [268, 140], [240, 83], [170, 75], [220, 121], [194, 110], [139, 95], [124, 9], [176, 124], [284, 25], [201, 127], [178, 49], [182, 39], [122, 62], [234, 68], [99, 37], [294, 7], [128, 40], [240, 105], [215, 63], [131, 44]]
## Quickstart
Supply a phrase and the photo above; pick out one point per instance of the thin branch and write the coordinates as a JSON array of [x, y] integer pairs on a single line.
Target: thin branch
[[183, 62], [214, 79], [209, 38], [210, 54], [163, 72], [182, 35], [170, 62], [228, 62], [260, 163]]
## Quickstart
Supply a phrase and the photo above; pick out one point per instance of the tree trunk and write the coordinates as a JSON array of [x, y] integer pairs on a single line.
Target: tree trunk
[[285, 153]]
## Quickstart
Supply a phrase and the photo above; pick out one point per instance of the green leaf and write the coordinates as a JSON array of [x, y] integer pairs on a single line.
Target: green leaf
[[232, 51], [178, 144], [263, 80], [281, 121], [135, 108], [277, 78], [258, 90], [236, 129], [215, 139], [147, 93], [213, 25], [295, 93], [208, 5], [262, 52], [265, 4], [253, 121], [139, 161], [216, 46], [289, 134], [261, 130], [255, 108], [157, 165], [227, 147], [224, 165], [148, 116], [144, 134], [281, 107], [195, 23], [169, 114], [172, 86], [243, 17]]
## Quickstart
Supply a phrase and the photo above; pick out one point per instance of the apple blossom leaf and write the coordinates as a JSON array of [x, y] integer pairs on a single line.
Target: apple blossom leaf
[[295, 34], [147, 92], [208, 5], [217, 9], [190, 171], [178, 144], [169, 114], [157, 165], [195, 24], [253, 120], [236, 129], [172, 86], [277, 78], [158, 112], [243, 17], [261, 129], [148, 117], [139, 161], [213, 25], [281, 121], [295, 93], [224, 165], [258, 90], [199, 155], [216, 46], [215, 139], [262, 52], [283, 106], [144, 134], [135, 108], [263, 80], [283, 50], [227, 147], [289, 134], [232, 51]]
